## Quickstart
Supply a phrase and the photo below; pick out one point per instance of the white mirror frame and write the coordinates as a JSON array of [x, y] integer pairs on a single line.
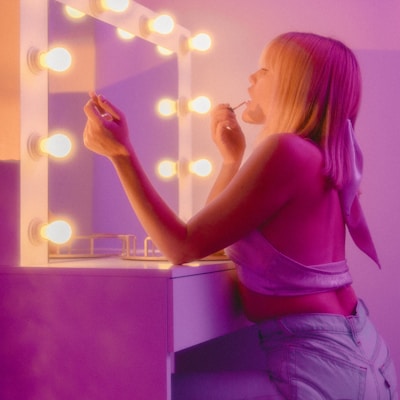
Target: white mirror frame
[[34, 110]]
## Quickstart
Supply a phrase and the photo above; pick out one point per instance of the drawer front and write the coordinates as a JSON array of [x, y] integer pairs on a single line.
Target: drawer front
[[203, 307]]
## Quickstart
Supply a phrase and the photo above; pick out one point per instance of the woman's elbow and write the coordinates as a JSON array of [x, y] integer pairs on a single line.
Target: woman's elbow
[[177, 259], [180, 257]]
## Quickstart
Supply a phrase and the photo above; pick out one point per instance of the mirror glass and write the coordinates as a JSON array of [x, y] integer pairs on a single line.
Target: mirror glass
[[131, 73]]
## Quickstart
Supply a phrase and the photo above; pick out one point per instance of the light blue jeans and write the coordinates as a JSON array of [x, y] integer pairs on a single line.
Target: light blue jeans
[[308, 357], [325, 356]]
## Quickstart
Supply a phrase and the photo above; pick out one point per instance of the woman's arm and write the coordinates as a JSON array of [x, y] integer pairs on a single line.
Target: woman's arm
[[224, 177], [259, 189], [230, 141]]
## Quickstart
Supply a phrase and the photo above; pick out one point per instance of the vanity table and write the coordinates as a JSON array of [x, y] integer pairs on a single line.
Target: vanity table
[[108, 328]]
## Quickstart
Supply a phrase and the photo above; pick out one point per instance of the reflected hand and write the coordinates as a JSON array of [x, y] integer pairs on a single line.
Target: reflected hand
[[227, 134], [106, 131]]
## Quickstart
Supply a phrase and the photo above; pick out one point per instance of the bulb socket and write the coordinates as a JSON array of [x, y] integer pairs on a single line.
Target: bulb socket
[[33, 60]]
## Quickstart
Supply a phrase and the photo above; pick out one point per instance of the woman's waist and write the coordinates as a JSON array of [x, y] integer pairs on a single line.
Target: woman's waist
[[259, 307]]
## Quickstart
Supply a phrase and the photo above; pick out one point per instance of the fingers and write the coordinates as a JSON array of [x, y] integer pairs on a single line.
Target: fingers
[[92, 111], [106, 109], [109, 107], [223, 116], [227, 119]]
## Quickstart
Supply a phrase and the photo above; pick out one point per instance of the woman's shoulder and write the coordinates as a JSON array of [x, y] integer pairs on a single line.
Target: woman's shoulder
[[292, 149], [284, 164]]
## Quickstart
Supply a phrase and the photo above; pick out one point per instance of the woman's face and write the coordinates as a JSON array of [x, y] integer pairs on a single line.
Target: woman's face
[[261, 93]]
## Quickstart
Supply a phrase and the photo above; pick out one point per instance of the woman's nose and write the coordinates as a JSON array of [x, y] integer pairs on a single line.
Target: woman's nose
[[252, 77]]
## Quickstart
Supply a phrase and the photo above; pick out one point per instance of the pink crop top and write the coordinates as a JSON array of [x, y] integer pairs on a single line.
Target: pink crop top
[[263, 269]]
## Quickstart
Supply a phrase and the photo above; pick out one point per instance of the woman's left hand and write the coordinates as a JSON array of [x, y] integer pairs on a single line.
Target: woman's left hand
[[227, 134], [106, 131]]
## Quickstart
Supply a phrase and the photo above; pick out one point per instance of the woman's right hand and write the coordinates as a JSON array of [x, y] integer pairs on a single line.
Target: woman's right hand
[[227, 134], [106, 131]]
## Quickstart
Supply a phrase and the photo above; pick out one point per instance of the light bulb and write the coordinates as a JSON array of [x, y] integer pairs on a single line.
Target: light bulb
[[167, 169], [200, 105], [163, 51], [125, 35], [58, 145], [57, 59], [58, 232], [200, 42], [202, 167], [167, 107], [163, 24], [115, 5], [73, 12]]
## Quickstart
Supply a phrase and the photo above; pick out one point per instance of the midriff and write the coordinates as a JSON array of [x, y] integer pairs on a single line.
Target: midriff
[[259, 307]]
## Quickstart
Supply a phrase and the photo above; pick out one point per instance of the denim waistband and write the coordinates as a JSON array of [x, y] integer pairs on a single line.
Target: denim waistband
[[314, 322]]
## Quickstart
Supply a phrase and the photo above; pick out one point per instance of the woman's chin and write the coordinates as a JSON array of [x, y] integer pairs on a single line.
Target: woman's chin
[[253, 117]]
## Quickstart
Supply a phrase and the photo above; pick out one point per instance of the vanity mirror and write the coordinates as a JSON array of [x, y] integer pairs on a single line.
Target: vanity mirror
[[83, 187], [135, 75]]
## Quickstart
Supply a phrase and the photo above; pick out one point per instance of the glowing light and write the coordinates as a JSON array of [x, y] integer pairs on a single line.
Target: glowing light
[[200, 105], [57, 59], [125, 35], [167, 169], [200, 42], [58, 145], [167, 107], [115, 5], [163, 51], [202, 167], [58, 232], [74, 13], [164, 265], [163, 24]]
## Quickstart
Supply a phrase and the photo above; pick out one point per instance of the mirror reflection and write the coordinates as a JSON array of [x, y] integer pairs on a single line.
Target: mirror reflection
[[83, 188]]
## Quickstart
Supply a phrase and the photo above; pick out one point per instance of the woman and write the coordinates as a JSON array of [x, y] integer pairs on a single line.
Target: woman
[[281, 217]]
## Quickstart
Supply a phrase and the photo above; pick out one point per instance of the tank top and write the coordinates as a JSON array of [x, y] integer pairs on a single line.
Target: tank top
[[263, 269]]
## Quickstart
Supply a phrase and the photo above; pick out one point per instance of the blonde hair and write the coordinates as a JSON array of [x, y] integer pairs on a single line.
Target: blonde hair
[[318, 90]]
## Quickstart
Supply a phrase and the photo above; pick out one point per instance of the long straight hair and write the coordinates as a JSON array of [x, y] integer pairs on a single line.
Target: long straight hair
[[318, 90]]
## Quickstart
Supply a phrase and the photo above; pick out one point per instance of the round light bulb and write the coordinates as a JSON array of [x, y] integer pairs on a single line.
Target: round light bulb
[[200, 42], [125, 35], [73, 12], [166, 107], [163, 24], [115, 5], [163, 51], [58, 145], [200, 105], [58, 232], [202, 167], [167, 169], [57, 59]]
